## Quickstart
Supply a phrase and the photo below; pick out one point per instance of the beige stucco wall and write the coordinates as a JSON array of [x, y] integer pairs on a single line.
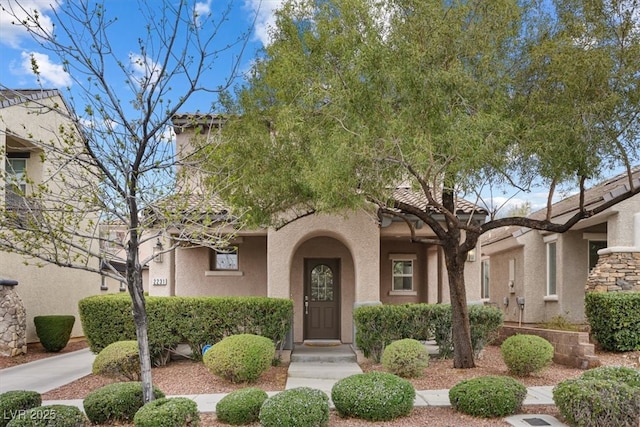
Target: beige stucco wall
[[193, 277], [48, 289], [357, 232], [420, 272], [529, 251], [621, 230], [499, 282]]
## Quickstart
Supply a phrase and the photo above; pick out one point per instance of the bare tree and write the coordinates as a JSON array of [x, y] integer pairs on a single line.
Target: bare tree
[[112, 158]]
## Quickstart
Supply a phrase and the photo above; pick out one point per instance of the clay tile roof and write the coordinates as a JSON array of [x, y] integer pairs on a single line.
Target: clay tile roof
[[414, 198]]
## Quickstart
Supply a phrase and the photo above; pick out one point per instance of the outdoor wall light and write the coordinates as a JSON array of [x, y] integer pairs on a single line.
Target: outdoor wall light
[[471, 255], [157, 251]]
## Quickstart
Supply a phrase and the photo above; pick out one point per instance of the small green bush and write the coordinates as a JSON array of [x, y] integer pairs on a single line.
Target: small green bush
[[116, 402], [119, 359], [296, 407], [373, 396], [240, 358], [406, 358], [12, 402], [525, 354], [629, 376], [614, 318], [168, 412], [54, 331], [241, 406], [490, 396], [589, 402], [50, 416]]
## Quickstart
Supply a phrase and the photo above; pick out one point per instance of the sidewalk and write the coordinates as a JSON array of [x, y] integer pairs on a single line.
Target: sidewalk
[[50, 373]]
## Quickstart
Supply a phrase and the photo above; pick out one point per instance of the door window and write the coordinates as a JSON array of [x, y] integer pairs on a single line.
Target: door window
[[321, 283]]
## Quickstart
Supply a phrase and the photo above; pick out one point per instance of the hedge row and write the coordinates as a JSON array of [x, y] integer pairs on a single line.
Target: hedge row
[[379, 325], [197, 321], [614, 318]]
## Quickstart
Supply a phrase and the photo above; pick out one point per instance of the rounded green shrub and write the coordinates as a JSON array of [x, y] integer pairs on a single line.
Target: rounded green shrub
[[50, 416], [54, 331], [296, 407], [116, 402], [241, 406], [590, 402], [624, 374], [526, 354], [373, 396], [490, 396], [406, 358], [119, 359], [15, 401], [168, 412], [240, 358]]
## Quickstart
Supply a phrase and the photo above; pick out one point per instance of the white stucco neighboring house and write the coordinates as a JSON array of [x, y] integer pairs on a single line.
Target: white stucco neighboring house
[[549, 272], [27, 116]]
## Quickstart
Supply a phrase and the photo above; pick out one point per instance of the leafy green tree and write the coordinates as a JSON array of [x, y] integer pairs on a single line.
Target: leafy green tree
[[114, 161], [454, 97]]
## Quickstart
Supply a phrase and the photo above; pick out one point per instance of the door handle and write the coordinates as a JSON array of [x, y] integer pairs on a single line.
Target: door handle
[[306, 307]]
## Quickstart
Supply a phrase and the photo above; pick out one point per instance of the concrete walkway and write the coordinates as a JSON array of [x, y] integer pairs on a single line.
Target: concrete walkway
[[48, 373], [308, 367]]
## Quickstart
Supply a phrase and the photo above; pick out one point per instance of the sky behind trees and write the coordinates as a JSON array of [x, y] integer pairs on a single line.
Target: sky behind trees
[[17, 50]]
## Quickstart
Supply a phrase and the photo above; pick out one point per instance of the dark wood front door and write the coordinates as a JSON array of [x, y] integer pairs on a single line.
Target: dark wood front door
[[321, 298]]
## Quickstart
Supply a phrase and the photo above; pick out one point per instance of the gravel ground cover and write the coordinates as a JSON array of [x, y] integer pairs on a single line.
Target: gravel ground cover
[[189, 377]]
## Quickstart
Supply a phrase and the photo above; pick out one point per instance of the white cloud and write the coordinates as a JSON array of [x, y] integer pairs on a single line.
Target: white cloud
[[12, 11], [201, 9], [266, 19], [48, 73], [145, 71]]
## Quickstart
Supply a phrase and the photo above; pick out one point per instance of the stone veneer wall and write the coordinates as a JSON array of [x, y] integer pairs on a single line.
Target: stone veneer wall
[[615, 272], [13, 323]]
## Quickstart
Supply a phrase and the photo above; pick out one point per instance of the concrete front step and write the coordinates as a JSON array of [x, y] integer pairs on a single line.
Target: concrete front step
[[316, 354], [323, 370]]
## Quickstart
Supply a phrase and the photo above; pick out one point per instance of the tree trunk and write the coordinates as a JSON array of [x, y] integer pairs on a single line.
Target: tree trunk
[[461, 331], [136, 290]]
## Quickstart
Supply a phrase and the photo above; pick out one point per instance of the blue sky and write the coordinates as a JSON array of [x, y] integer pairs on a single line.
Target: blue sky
[[17, 48]]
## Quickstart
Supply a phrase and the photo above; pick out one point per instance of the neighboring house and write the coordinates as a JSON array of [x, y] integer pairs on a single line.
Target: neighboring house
[[550, 271], [48, 289], [327, 264]]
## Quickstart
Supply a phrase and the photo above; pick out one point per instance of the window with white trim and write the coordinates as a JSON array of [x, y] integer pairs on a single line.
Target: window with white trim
[[402, 275], [225, 259], [552, 279], [402, 267], [16, 177], [484, 273]]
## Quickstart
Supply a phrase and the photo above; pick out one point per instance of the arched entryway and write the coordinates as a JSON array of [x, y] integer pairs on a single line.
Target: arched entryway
[[322, 288]]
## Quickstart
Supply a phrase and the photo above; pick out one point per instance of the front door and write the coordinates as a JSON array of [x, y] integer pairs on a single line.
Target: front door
[[321, 298]]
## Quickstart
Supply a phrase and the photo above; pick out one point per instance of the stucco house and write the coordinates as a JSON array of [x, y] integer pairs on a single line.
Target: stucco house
[[327, 264], [548, 273], [27, 116]]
